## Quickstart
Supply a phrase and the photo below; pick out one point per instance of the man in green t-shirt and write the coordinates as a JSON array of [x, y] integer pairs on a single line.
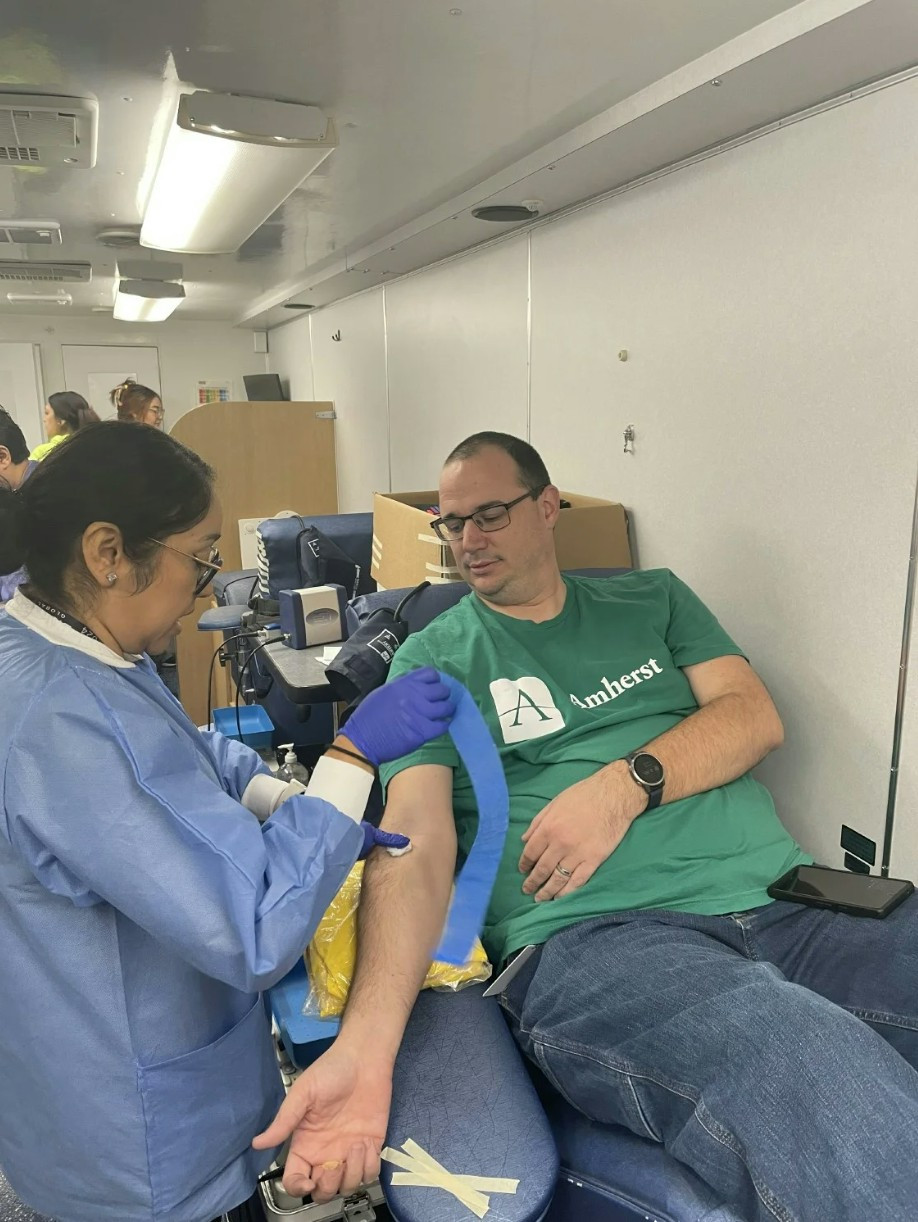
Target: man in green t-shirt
[[666, 988]]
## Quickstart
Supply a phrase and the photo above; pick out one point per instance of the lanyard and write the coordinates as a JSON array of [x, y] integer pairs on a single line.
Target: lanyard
[[64, 618]]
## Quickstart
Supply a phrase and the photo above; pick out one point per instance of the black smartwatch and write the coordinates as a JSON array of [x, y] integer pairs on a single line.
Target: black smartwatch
[[647, 771]]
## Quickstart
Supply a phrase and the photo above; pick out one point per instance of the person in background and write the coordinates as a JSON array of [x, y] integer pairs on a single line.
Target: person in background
[[137, 403], [65, 413], [154, 879], [15, 469]]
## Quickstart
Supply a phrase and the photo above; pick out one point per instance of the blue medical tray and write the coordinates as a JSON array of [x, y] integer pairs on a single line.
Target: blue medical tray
[[257, 726]]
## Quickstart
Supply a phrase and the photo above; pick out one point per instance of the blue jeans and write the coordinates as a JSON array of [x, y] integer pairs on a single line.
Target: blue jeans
[[773, 1051]]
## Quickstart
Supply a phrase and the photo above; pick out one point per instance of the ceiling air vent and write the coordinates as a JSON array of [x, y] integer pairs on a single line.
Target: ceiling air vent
[[120, 238], [25, 272], [47, 131], [12, 154], [30, 233], [505, 213]]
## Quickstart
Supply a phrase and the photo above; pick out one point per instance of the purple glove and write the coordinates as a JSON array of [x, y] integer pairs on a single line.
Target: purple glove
[[396, 719], [372, 837]]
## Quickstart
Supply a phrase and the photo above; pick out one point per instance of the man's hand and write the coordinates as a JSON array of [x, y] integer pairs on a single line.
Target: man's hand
[[337, 1112], [578, 830]]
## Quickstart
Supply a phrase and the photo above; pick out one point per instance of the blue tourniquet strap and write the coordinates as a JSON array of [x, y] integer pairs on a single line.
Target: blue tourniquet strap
[[472, 738]]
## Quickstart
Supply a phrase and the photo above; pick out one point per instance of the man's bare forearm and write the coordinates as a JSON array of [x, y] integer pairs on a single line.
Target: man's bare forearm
[[716, 745], [720, 742], [402, 910]]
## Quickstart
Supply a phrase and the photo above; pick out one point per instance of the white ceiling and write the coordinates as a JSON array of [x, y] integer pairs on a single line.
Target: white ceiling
[[438, 106]]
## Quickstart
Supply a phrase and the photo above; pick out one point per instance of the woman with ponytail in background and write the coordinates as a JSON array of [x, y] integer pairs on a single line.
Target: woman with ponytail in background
[[65, 413], [138, 404]]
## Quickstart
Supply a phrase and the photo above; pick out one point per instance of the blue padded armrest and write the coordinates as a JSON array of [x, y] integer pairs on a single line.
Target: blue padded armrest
[[221, 619], [235, 586], [232, 591], [461, 1091]]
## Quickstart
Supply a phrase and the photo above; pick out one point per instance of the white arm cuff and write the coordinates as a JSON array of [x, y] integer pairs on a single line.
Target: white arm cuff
[[343, 785], [264, 794]]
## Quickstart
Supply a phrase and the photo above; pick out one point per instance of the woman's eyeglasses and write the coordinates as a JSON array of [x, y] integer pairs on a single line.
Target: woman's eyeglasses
[[209, 568]]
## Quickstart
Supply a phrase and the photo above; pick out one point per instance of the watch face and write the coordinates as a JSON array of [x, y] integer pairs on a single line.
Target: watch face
[[648, 768]]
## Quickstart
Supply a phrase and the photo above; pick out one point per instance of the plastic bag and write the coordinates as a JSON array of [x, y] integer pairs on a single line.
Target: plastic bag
[[332, 953]]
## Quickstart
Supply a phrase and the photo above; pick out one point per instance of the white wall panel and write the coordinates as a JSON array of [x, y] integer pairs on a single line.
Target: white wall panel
[[290, 357], [767, 300], [457, 347], [351, 371], [21, 392]]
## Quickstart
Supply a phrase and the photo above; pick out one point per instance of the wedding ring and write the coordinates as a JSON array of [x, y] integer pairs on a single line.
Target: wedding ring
[[564, 873]]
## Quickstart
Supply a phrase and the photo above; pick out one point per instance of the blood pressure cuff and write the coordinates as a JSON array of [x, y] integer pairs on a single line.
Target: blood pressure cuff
[[363, 661], [322, 562]]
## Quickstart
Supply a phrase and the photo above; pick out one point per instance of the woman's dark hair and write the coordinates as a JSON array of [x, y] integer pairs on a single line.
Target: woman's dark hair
[[72, 409], [11, 436], [532, 470], [132, 400], [140, 479]]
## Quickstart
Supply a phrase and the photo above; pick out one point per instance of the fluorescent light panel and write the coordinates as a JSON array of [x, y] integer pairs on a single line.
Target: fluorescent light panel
[[61, 298], [146, 300], [229, 162]]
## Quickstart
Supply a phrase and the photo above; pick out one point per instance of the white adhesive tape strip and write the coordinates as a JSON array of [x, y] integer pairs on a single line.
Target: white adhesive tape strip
[[421, 1170]]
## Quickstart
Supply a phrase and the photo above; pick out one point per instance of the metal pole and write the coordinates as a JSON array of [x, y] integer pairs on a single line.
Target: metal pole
[[900, 694]]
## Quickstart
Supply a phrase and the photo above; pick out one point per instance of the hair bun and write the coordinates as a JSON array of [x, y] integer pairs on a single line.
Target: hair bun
[[118, 393]]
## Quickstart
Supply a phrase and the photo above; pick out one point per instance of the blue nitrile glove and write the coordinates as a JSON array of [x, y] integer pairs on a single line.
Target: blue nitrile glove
[[372, 836], [396, 719]]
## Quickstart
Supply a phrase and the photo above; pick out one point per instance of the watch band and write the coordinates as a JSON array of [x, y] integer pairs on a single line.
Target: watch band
[[654, 797]]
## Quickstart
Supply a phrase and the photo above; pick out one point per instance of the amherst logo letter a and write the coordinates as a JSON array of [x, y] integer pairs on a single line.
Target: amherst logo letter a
[[525, 708]]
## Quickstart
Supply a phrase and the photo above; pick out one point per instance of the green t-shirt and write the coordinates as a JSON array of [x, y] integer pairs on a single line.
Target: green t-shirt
[[566, 697]]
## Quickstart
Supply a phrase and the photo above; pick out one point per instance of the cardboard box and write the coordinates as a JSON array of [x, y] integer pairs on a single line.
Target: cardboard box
[[592, 533]]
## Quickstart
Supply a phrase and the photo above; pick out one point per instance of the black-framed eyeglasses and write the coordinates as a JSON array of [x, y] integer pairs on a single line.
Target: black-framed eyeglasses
[[487, 518], [210, 568]]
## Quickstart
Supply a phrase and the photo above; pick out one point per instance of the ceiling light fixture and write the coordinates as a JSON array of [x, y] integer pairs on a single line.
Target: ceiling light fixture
[[228, 163], [61, 299], [146, 300]]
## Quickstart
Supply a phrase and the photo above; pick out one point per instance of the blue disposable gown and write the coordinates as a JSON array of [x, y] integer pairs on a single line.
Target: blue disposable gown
[[143, 910]]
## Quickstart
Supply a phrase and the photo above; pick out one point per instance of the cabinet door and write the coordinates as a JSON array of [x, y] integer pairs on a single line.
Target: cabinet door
[[267, 457]]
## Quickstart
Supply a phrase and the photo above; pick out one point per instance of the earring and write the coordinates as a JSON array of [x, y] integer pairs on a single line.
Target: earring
[[112, 578]]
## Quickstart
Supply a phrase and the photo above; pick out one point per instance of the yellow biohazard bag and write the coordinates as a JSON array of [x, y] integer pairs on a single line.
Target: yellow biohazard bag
[[331, 955]]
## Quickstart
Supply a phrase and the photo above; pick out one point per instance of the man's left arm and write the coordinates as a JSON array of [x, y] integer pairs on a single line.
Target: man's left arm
[[735, 726]]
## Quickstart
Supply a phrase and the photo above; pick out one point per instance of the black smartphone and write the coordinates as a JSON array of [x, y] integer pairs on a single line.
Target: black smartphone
[[856, 894]]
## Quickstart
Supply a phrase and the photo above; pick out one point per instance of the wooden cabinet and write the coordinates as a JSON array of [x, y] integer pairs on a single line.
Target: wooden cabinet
[[267, 457]]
